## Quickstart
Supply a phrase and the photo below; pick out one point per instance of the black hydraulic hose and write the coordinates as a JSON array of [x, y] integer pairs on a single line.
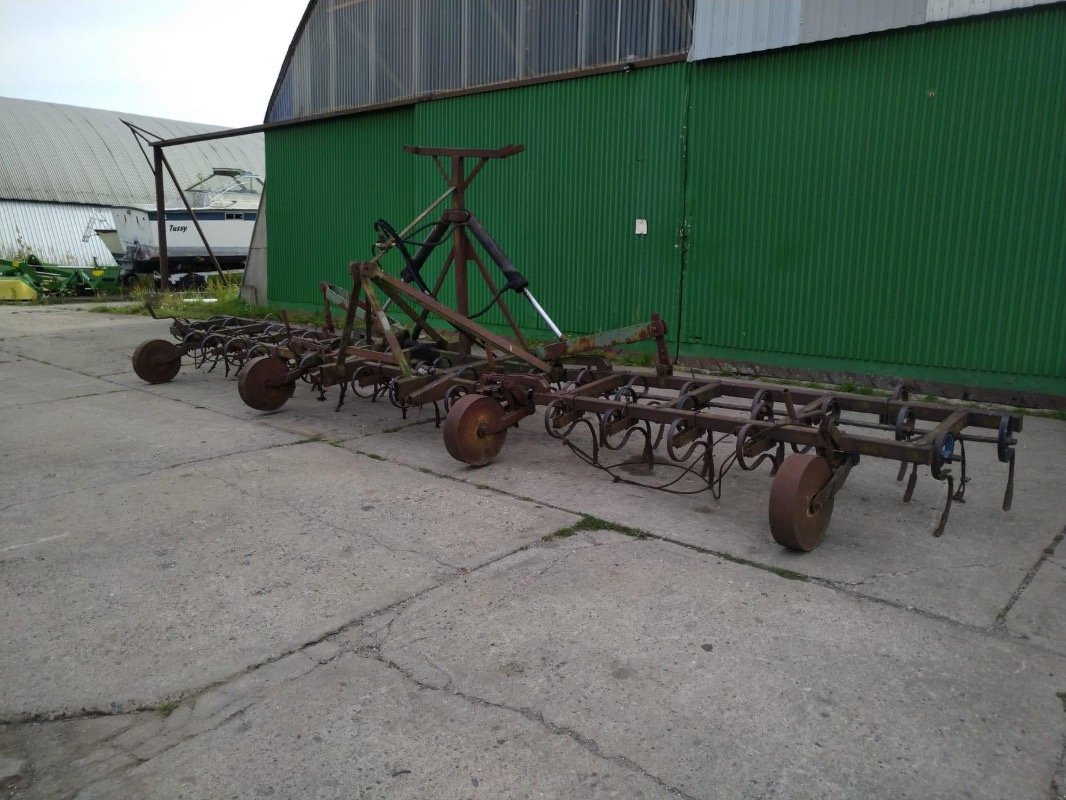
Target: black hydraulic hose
[[409, 273], [436, 236], [492, 302]]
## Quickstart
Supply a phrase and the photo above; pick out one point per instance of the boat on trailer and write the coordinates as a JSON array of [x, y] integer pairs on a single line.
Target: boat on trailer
[[226, 205]]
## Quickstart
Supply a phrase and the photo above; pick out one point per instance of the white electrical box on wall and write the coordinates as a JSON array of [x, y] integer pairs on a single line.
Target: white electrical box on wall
[[641, 228]]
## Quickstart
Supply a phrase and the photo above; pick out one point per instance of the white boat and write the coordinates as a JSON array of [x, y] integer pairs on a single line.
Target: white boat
[[226, 204]]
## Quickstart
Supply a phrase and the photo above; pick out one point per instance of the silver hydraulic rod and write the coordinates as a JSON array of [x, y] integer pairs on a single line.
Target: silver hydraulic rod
[[543, 314]]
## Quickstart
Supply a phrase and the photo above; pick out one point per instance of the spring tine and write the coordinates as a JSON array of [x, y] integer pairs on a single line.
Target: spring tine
[[939, 530], [790, 407], [288, 325], [963, 480], [1008, 494], [902, 471], [911, 483], [708, 461], [779, 456]]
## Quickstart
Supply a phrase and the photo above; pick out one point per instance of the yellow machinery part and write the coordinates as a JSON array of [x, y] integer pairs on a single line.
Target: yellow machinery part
[[16, 289]]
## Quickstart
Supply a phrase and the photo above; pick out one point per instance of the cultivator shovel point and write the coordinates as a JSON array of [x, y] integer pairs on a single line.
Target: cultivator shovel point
[[399, 341]]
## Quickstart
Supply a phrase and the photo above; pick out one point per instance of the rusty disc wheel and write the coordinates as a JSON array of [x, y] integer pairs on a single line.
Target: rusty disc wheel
[[156, 361], [464, 430], [253, 380], [792, 521]]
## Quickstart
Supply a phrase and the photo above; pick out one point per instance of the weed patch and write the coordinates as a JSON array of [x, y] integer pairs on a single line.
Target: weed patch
[[167, 708], [218, 300]]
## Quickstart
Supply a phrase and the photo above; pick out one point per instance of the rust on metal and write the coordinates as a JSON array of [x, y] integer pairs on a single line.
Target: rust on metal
[[467, 434], [796, 521]]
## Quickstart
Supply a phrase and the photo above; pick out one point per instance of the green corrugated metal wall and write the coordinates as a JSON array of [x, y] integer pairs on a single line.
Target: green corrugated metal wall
[[888, 204], [327, 184], [893, 203]]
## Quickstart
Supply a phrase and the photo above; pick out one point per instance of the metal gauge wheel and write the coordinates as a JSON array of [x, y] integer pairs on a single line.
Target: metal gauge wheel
[[465, 433], [259, 383], [156, 361], [793, 522]]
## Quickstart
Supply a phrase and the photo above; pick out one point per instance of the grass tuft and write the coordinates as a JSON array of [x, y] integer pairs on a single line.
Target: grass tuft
[[167, 708], [590, 523]]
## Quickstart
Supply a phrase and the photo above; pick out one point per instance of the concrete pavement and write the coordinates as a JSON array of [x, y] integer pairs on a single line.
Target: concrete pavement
[[198, 600]]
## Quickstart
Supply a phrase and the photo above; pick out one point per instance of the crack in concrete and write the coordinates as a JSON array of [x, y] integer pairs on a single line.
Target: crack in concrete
[[587, 743], [76, 716], [63, 399], [566, 554], [119, 769], [1001, 616], [161, 468], [26, 357], [905, 573], [183, 697]]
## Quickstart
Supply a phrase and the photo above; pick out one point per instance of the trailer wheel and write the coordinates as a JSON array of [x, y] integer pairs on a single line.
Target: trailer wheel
[[464, 430], [156, 361], [793, 522], [254, 383]]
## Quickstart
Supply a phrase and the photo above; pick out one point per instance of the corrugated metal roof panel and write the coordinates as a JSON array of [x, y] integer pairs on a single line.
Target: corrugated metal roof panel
[[953, 9], [731, 27], [725, 27], [355, 54], [836, 19], [68, 154], [53, 232]]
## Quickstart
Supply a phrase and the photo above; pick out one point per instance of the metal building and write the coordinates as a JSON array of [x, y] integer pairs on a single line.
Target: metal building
[[67, 170], [847, 186]]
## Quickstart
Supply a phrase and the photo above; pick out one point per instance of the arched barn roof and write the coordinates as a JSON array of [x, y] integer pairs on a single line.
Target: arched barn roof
[[57, 153]]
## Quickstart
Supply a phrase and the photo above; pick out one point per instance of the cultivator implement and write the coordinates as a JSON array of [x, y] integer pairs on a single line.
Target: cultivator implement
[[810, 440], [397, 339], [230, 341]]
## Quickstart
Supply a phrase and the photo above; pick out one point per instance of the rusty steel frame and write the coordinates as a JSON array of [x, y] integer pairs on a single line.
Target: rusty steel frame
[[678, 422], [387, 360], [683, 415]]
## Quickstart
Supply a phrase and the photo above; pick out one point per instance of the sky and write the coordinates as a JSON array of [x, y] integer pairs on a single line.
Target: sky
[[208, 61]]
